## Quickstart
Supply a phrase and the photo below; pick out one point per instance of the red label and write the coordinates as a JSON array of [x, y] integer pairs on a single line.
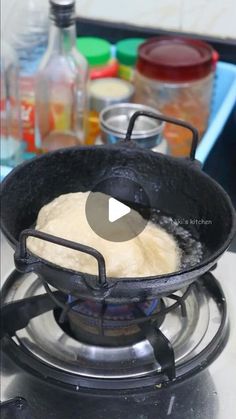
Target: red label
[[28, 122]]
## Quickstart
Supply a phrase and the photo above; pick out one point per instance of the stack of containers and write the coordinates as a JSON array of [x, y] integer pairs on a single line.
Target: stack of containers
[[105, 88], [127, 54]]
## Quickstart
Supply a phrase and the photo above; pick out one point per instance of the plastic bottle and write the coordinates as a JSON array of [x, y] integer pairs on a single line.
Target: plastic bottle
[[26, 30], [10, 125], [61, 83]]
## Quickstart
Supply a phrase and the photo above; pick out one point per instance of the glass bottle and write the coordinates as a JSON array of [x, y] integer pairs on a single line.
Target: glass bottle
[[61, 84]]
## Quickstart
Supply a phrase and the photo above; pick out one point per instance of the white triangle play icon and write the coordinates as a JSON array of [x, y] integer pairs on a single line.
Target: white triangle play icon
[[117, 210]]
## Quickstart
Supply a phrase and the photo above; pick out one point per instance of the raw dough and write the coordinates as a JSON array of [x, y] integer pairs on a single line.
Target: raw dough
[[152, 252]]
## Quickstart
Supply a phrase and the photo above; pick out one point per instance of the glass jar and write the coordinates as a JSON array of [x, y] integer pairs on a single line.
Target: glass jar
[[176, 76]]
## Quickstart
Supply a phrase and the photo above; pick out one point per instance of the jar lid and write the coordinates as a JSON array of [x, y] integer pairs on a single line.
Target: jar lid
[[173, 59], [127, 50], [97, 51]]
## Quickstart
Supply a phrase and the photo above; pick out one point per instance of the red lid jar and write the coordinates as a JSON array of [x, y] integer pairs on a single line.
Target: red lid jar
[[177, 60], [176, 76]]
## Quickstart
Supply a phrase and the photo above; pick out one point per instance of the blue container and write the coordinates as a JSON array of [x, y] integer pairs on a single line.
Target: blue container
[[223, 101]]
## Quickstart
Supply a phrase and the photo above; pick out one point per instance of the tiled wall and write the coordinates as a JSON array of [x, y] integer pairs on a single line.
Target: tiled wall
[[212, 17]]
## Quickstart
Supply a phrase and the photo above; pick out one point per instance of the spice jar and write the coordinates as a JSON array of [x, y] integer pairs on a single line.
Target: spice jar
[[175, 75], [127, 54], [97, 51], [102, 93]]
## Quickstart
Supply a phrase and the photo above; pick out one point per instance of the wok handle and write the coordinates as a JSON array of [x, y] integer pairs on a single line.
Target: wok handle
[[195, 135], [102, 281]]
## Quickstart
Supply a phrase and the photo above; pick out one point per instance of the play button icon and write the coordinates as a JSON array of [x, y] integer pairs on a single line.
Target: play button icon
[[117, 209]]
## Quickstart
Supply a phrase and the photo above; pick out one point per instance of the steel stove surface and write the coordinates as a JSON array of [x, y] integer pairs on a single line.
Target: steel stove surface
[[209, 394]]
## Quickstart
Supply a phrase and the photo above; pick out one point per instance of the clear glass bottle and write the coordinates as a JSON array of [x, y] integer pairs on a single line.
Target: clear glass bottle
[[12, 146], [61, 84]]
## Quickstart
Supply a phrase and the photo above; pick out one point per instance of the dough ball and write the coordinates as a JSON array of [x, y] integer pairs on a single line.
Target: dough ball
[[152, 252]]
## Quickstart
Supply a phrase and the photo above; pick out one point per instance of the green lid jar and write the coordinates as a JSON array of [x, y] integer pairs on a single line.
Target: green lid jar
[[97, 51], [127, 54]]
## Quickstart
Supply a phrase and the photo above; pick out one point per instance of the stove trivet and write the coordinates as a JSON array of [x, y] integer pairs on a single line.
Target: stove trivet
[[190, 341]]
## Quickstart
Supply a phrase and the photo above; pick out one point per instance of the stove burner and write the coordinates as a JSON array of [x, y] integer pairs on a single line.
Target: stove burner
[[192, 332], [84, 321], [115, 312]]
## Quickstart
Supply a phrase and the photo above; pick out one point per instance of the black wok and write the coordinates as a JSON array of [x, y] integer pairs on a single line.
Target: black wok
[[175, 186]]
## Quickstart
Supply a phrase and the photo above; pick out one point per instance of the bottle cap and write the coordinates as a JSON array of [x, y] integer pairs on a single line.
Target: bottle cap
[[97, 51], [62, 12], [127, 50], [62, 3], [174, 59]]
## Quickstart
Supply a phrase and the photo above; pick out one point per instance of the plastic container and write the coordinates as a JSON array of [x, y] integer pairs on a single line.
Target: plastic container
[[10, 124], [127, 54], [102, 93], [176, 75], [61, 84], [27, 32], [97, 51], [223, 101]]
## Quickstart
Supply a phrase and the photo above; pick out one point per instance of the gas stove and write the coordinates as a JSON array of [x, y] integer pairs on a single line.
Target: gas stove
[[173, 356]]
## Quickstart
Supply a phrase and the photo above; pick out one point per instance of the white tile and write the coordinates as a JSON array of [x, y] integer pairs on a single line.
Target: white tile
[[152, 13], [212, 17]]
